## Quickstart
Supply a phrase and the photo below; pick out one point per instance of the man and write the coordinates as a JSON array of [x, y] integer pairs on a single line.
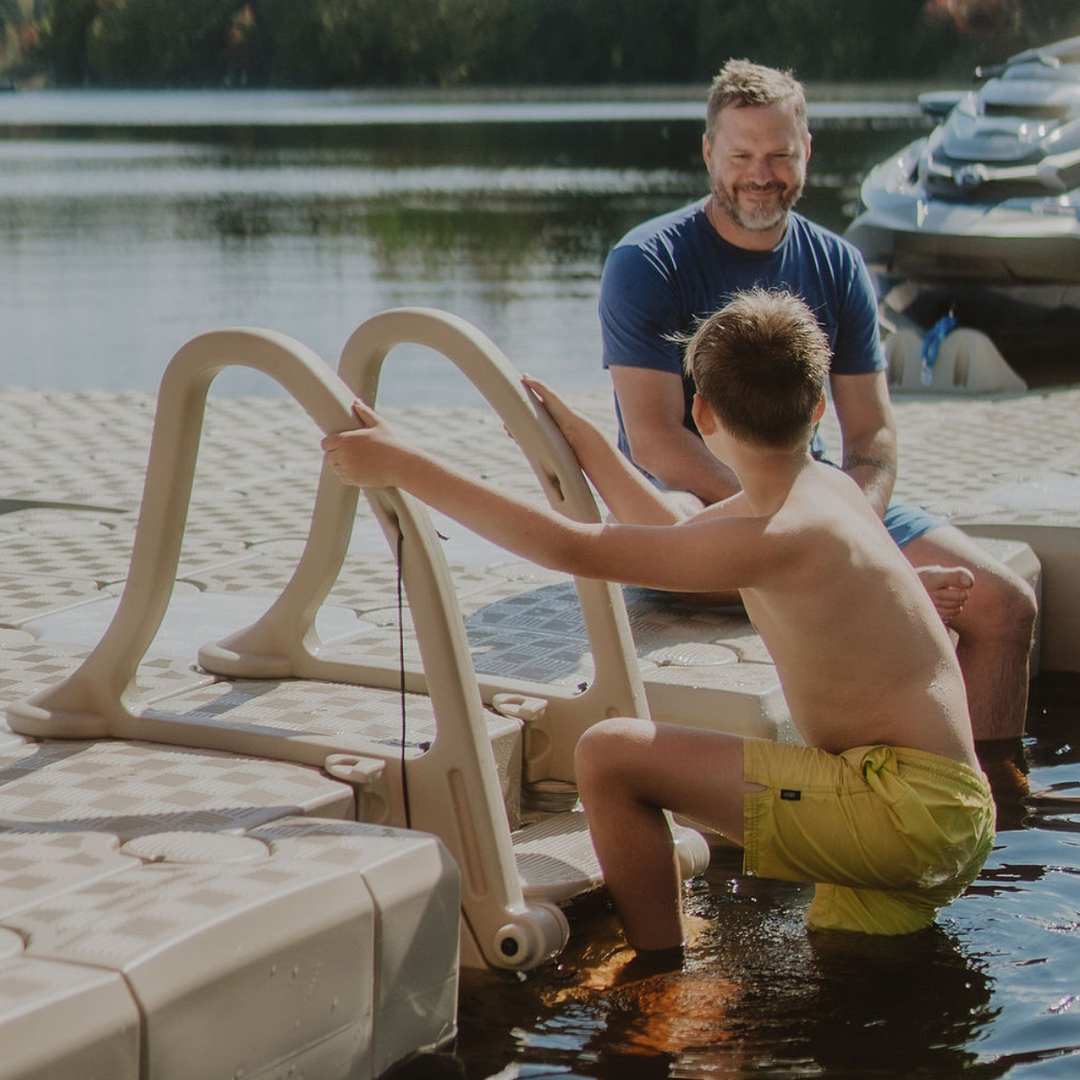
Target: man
[[884, 807], [669, 273]]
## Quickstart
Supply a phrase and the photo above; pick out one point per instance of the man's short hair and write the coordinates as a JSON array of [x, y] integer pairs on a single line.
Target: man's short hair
[[742, 83], [761, 363]]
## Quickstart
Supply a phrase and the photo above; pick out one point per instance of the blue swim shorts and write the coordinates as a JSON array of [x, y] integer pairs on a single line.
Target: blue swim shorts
[[906, 522]]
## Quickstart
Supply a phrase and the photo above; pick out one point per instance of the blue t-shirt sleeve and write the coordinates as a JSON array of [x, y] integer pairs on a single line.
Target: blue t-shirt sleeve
[[857, 347], [639, 310]]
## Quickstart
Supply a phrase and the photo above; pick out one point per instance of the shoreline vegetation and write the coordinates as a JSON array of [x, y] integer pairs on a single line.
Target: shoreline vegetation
[[433, 46], [689, 94], [896, 90]]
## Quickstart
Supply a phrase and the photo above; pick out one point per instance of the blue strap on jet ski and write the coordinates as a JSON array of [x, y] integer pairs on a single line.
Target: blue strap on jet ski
[[931, 343]]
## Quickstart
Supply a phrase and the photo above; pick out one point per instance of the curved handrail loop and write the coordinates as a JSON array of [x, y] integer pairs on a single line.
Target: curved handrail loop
[[462, 800], [616, 688], [275, 644], [94, 701]]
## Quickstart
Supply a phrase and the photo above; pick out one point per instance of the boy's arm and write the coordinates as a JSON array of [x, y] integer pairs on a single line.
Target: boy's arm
[[628, 495], [373, 456], [684, 558]]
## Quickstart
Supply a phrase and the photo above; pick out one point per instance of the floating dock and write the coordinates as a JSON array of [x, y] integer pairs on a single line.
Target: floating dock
[[186, 908]]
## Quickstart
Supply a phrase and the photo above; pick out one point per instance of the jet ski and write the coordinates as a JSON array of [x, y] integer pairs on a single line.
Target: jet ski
[[977, 224]]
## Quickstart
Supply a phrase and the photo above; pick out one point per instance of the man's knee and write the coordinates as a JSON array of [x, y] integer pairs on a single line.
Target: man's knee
[[1004, 603]]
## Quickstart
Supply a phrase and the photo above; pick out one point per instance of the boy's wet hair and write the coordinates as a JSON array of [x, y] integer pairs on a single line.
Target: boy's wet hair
[[742, 83], [761, 363]]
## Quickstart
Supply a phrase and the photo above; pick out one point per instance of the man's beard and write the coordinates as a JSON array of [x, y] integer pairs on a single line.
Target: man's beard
[[758, 218]]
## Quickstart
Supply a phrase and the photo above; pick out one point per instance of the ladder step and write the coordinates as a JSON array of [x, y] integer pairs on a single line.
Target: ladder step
[[556, 860]]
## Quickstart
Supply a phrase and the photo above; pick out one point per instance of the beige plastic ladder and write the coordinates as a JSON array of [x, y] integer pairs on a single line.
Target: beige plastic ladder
[[508, 920], [282, 642]]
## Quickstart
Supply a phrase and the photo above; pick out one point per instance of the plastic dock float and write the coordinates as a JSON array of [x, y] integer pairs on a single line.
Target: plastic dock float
[[417, 746], [163, 914]]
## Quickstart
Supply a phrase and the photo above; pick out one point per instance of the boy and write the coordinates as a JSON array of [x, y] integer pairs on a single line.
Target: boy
[[885, 806]]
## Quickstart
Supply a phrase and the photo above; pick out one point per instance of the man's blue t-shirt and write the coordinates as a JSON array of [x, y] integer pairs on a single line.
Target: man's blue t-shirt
[[674, 270]]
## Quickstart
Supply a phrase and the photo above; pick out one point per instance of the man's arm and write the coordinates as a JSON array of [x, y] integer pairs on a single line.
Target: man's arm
[[869, 433], [652, 407]]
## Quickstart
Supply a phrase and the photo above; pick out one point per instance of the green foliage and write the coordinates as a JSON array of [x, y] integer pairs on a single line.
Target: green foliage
[[158, 41], [63, 38], [830, 39], [459, 42], [276, 42]]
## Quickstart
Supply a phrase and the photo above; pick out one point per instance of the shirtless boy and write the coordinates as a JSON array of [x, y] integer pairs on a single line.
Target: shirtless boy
[[885, 807]]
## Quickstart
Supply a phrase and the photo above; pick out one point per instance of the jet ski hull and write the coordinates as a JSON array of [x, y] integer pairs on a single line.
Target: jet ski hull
[[981, 218]]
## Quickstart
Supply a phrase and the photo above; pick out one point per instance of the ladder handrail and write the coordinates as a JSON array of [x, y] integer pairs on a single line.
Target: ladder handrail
[[616, 688], [281, 641], [93, 701], [462, 802]]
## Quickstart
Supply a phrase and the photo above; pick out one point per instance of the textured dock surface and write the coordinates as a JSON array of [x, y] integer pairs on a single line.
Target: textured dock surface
[[116, 854], [72, 486]]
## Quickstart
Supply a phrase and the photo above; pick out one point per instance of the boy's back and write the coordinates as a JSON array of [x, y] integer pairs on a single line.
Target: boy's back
[[885, 807], [860, 649]]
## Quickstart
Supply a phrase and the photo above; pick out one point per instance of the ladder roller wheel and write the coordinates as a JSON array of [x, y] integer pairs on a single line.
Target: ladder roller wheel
[[539, 933]]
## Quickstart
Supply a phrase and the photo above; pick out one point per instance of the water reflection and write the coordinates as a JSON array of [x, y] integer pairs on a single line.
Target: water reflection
[[991, 991], [758, 996], [130, 225]]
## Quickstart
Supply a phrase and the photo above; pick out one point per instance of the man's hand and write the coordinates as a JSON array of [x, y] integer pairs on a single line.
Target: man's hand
[[653, 404], [367, 455]]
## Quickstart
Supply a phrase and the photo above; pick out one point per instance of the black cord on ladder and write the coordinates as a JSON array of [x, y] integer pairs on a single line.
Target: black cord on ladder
[[401, 680]]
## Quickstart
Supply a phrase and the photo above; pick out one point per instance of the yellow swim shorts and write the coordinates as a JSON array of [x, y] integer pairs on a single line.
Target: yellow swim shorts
[[890, 835]]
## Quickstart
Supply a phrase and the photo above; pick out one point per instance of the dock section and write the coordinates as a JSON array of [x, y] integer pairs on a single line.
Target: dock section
[[103, 843]]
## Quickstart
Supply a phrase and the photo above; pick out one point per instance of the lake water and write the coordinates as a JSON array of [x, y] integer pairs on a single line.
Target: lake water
[[992, 991], [132, 222]]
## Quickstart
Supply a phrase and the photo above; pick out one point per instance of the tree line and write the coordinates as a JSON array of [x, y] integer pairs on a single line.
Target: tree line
[[445, 43]]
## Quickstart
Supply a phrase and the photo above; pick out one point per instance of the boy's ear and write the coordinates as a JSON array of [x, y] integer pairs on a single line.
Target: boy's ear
[[704, 418], [819, 410]]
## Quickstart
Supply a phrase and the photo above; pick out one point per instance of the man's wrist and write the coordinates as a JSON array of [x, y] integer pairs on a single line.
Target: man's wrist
[[868, 461], [875, 477]]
